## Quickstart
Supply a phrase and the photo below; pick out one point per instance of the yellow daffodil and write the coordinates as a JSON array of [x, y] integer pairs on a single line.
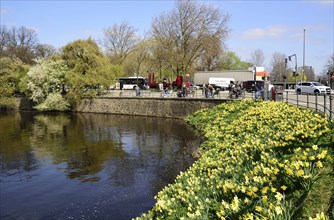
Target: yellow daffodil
[[284, 187], [300, 173]]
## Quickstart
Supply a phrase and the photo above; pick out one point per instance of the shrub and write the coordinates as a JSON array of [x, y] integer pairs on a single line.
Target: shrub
[[53, 102]]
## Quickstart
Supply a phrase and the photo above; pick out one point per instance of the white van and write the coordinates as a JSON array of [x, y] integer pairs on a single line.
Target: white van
[[221, 83]]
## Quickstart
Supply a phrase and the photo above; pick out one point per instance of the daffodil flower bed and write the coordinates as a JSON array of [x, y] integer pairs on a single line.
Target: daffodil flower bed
[[259, 160]]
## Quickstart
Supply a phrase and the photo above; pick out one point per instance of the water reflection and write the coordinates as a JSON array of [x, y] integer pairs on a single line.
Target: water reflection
[[135, 156], [16, 154]]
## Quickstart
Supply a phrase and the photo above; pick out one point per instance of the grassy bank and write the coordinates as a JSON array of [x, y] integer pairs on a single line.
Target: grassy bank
[[260, 160]]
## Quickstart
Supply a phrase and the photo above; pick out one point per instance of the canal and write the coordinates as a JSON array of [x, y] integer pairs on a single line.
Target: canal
[[88, 166]]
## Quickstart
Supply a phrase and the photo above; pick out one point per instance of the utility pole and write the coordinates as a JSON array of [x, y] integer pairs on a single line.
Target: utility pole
[[285, 75], [303, 57], [254, 75]]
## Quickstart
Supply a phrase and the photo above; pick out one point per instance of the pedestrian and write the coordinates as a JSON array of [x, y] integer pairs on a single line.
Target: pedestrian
[[206, 91], [262, 92], [257, 91], [184, 91], [210, 90], [161, 88], [137, 91]]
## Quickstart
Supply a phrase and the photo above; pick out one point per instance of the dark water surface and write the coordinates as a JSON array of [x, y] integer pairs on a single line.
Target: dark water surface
[[88, 166]]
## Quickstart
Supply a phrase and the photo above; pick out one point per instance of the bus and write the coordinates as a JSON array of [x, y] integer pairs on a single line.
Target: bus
[[132, 81]]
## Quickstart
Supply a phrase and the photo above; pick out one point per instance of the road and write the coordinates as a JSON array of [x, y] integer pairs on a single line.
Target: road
[[319, 103]]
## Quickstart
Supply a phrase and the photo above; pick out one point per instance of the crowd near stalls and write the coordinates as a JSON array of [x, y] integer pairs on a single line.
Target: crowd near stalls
[[237, 83]]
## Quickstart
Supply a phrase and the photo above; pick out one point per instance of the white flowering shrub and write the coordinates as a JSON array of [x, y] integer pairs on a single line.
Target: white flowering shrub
[[45, 83]]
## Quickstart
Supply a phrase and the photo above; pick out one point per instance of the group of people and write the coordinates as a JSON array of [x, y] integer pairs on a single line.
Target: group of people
[[186, 91], [236, 89], [165, 92], [209, 91]]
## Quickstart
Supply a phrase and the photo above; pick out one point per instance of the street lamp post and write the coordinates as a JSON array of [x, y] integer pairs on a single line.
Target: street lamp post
[[284, 76], [295, 67], [254, 75], [303, 57]]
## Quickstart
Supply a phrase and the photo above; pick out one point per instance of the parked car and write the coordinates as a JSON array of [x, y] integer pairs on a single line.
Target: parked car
[[312, 88]]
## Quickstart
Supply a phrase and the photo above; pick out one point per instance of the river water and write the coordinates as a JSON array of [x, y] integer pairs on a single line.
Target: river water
[[88, 166]]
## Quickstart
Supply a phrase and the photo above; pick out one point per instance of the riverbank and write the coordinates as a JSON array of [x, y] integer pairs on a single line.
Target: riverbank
[[260, 159]]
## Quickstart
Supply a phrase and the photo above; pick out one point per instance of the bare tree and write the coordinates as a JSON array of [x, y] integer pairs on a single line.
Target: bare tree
[[44, 51], [325, 76], [211, 55], [181, 32], [4, 40], [330, 63], [257, 58], [142, 53], [138, 61], [119, 41], [18, 42], [278, 67], [309, 73]]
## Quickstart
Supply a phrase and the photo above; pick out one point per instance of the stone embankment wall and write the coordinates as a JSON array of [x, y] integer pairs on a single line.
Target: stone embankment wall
[[158, 107]]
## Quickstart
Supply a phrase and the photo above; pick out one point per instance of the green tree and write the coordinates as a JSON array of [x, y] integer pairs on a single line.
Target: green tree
[[12, 71], [88, 66], [89, 69], [292, 77], [45, 83], [230, 61]]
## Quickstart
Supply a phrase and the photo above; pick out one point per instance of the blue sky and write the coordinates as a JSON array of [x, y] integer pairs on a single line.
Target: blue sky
[[271, 26]]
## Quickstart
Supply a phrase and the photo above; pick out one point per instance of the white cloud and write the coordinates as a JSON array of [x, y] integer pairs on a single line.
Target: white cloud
[[274, 31], [255, 33], [314, 33], [37, 30]]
